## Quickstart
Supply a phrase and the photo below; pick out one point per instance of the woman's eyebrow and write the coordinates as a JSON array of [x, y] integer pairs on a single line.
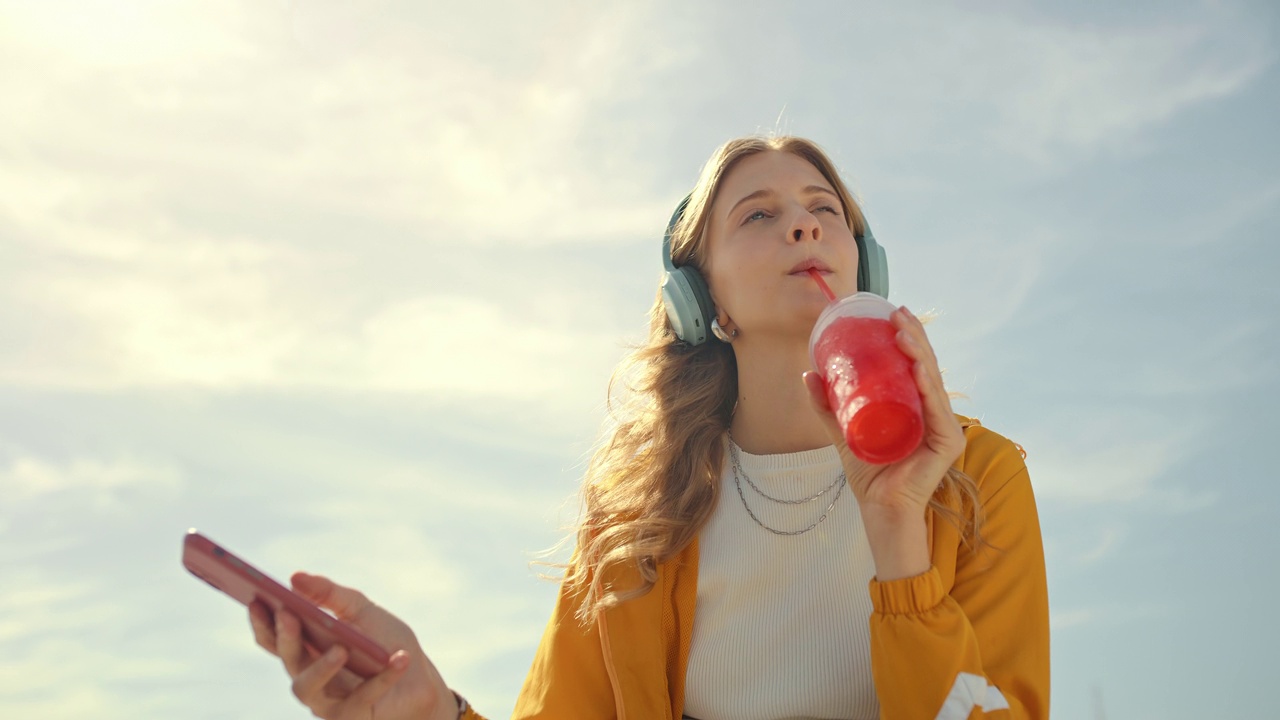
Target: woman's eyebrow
[[816, 189], [763, 192]]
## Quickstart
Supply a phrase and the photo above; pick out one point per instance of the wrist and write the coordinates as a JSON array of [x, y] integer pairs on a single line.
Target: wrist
[[452, 707], [892, 516], [899, 544]]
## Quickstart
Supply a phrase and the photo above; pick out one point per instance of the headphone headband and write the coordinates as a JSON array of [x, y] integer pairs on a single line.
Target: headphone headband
[[667, 261]]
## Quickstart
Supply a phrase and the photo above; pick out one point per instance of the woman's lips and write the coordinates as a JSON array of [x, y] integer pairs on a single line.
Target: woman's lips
[[810, 264]]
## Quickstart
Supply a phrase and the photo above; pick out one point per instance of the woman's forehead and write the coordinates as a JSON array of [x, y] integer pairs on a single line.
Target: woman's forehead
[[769, 170]]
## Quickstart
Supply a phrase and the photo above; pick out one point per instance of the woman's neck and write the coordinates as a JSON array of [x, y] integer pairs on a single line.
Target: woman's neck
[[774, 414]]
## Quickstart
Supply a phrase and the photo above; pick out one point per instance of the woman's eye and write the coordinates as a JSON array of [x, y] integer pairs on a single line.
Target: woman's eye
[[755, 215], [829, 209]]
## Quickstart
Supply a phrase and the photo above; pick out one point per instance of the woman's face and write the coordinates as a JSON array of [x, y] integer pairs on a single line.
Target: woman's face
[[774, 216]]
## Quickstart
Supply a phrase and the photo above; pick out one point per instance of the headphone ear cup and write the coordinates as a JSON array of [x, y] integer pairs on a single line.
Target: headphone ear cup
[[873, 266], [688, 304]]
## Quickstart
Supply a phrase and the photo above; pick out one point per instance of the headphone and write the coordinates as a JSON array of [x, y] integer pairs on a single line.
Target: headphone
[[688, 300]]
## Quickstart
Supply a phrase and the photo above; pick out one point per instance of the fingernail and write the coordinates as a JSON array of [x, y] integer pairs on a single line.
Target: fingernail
[[334, 654], [400, 660]]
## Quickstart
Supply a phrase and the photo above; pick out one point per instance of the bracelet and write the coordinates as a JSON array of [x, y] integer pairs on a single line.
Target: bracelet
[[462, 704]]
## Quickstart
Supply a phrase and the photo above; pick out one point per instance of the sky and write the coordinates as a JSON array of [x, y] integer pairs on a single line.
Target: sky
[[341, 284]]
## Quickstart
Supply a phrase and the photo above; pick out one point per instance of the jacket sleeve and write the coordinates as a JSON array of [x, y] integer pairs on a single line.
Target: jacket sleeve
[[978, 649]]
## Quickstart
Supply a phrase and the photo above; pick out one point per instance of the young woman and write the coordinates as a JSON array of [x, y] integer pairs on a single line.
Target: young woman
[[734, 559]]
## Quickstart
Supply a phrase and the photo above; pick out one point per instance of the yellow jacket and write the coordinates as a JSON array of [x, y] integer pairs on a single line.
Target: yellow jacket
[[968, 639]]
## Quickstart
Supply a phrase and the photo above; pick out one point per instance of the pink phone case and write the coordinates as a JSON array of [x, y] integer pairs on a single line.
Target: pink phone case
[[237, 578]]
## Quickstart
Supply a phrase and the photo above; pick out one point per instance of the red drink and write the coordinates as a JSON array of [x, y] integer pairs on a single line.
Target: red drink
[[870, 384]]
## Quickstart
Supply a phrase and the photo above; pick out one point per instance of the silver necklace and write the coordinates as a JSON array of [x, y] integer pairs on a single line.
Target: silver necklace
[[739, 475]]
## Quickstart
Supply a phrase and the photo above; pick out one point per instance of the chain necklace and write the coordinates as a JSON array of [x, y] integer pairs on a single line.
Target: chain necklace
[[739, 475]]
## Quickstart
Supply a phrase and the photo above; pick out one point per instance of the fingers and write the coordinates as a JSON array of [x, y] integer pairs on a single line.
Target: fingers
[[319, 681], [375, 687], [817, 388], [939, 418], [263, 627], [345, 602], [915, 344], [289, 644], [911, 331], [309, 684]]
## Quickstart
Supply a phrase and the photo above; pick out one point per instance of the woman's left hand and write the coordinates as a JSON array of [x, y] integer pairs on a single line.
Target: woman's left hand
[[903, 489]]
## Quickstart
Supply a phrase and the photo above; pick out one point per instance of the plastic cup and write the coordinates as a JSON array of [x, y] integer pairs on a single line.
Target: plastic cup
[[870, 384]]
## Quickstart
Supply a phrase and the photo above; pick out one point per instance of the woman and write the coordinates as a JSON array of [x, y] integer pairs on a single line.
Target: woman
[[722, 570]]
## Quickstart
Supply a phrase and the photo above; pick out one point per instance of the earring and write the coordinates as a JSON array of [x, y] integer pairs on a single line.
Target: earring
[[718, 331]]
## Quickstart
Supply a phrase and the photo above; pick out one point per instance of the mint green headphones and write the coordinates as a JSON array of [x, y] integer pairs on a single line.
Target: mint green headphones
[[688, 301]]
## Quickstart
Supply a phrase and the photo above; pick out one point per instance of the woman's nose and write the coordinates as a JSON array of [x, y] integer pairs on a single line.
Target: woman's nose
[[806, 227]]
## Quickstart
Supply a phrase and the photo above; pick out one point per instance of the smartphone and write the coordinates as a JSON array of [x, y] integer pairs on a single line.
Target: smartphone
[[218, 567]]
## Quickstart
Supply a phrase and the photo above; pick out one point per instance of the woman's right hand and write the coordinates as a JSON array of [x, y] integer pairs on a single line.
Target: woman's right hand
[[409, 689]]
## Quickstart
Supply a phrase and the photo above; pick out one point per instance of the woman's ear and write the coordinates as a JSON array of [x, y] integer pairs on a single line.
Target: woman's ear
[[722, 326]]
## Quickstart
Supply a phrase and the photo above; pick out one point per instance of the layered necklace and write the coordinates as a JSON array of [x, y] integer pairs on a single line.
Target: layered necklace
[[739, 476]]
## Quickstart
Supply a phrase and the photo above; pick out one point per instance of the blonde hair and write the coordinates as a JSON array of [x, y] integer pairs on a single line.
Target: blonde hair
[[650, 488]]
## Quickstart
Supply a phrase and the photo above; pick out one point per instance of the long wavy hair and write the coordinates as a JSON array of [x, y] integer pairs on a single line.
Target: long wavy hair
[[653, 481]]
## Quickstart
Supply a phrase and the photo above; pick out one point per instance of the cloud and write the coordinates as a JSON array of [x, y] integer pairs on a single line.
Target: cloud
[[102, 484], [1110, 615], [1112, 455], [241, 161], [59, 666], [943, 93], [1087, 89], [238, 160], [225, 323], [484, 146], [1071, 618], [1103, 547]]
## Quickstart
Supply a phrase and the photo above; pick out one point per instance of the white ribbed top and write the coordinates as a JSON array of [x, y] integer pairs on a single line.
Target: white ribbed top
[[781, 626]]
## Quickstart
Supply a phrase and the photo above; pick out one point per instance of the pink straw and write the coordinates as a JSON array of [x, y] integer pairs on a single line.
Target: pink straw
[[822, 284]]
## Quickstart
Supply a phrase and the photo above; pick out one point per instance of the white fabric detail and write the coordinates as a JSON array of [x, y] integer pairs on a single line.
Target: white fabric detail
[[995, 700], [971, 691]]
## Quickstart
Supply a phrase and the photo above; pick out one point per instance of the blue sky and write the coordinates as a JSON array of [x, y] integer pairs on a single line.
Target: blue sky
[[342, 284]]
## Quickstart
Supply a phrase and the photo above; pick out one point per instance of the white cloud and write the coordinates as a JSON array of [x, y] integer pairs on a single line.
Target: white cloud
[[1112, 455], [996, 92], [31, 605], [1084, 89], [1071, 618], [1103, 546], [145, 246], [482, 146], [1110, 614], [205, 117], [222, 321], [975, 282], [29, 477], [58, 666], [402, 566]]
